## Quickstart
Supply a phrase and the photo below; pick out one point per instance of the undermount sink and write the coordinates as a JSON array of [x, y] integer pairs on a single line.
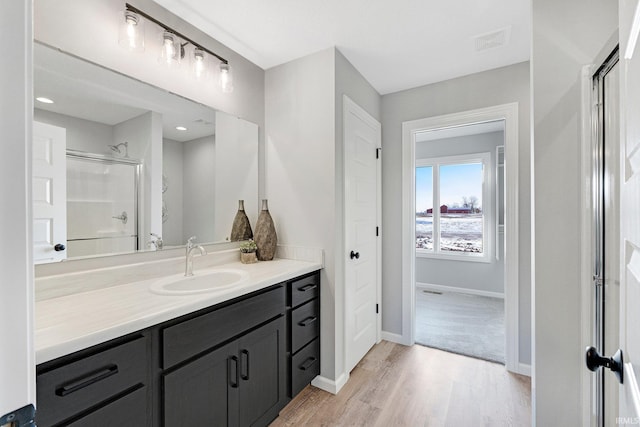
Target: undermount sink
[[201, 282]]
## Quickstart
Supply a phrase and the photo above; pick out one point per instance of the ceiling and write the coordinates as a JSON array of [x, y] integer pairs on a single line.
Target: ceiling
[[87, 91], [396, 45]]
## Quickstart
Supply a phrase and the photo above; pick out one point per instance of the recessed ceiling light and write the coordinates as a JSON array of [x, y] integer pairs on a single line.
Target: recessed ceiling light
[[44, 100], [181, 128]]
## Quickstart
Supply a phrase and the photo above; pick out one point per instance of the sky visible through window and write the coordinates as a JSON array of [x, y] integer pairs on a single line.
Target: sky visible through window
[[456, 181]]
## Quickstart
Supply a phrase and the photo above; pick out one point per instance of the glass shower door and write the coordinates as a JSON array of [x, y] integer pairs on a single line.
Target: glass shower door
[[102, 205]]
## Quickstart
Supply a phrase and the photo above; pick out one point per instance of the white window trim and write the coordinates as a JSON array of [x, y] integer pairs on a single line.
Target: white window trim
[[487, 211]]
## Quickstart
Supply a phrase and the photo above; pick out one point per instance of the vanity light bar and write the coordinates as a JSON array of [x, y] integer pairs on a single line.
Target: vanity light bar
[[171, 30]]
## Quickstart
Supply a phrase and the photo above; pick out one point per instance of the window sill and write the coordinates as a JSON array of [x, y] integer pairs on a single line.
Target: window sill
[[484, 258]]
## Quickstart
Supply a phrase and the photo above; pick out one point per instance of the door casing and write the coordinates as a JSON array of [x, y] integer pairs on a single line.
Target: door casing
[[508, 113]]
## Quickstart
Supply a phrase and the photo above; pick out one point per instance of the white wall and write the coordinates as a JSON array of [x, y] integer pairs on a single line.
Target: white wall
[[479, 276], [17, 358], [82, 135], [494, 87], [172, 169], [144, 135], [89, 29], [300, 174], [304, 172], [566, 36], [236, 172], [198, 186]]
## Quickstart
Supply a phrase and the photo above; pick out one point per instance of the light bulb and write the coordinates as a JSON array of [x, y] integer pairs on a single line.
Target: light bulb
[[226, 78], [170, 53], [199, 66], [132, 32]]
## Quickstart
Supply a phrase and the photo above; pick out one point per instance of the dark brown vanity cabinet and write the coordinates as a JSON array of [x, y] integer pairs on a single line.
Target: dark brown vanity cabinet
[[241, 383], [304, 331], [233, 364], [103, 386]]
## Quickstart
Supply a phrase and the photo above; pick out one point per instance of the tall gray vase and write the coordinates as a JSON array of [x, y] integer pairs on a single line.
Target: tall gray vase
[[265, 235], [241, 229]]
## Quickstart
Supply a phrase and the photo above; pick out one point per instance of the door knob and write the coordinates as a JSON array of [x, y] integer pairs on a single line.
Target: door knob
[[616, 363], [59, 247], [355, 255]]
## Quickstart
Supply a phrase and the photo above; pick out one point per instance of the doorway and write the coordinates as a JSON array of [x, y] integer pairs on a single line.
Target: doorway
[[459, 201], [411, 129]]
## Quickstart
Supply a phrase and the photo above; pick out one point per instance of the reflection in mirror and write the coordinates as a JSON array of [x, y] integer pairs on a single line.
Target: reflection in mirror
[[144, 169]]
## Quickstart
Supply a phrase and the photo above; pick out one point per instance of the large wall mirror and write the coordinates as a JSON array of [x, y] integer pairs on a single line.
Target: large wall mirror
[[119, 163]]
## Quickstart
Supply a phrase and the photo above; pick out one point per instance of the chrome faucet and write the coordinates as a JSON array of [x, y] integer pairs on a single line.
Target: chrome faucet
[[157, 242], [188, 269]]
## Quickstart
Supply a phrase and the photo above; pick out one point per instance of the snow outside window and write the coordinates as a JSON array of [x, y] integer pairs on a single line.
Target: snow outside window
[[453, 207]]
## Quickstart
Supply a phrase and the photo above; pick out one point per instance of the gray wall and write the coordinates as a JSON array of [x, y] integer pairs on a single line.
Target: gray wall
[[480, 276], [494, 87], [304, 185], [566, 36], [300, 180]]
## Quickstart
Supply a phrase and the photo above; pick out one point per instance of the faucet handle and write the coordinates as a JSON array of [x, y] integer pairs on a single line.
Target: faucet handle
[[190, 241]]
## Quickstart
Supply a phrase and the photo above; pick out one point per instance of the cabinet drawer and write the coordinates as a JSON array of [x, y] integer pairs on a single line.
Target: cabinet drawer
[[196, 335], [302, 290], [305, 324], [128, 411], [305, 366], [66, 390]]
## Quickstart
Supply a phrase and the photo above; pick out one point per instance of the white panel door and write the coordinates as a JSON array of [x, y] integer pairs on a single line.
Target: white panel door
[[49, 193], [629, 397], [361, 163]]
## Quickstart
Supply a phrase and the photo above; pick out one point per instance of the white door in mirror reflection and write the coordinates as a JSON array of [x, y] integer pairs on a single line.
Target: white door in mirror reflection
[[49, 193]]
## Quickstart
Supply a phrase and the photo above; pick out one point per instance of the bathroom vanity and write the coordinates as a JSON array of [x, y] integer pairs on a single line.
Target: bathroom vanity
[[233, 357]]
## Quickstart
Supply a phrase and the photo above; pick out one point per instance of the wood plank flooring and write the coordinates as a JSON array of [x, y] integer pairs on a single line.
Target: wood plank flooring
[[395, 385]]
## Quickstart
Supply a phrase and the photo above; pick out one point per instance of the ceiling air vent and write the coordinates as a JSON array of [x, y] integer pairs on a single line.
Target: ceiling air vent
[[492, 40]]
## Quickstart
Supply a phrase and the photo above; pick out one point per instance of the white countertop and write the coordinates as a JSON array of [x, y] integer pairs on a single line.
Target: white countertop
[[74, 322]]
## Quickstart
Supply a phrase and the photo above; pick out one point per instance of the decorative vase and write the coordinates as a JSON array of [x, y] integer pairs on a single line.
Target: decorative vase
[[248, 257], [241, 229], [265, 235]]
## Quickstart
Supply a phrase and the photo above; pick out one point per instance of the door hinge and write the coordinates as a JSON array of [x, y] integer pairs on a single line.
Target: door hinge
[[377, 231], [377, 309], [378, 153]]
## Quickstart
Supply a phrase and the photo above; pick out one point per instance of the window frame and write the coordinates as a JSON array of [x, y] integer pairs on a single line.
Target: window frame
[[487, 237]]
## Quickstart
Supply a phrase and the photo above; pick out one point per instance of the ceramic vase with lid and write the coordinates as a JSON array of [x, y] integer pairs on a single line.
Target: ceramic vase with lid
[[241, 229], [265, 235]]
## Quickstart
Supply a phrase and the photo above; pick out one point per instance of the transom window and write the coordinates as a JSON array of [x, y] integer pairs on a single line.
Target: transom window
[[453, 207]]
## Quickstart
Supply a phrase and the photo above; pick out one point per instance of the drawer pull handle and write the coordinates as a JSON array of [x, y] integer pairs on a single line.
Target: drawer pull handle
[[87, 380], [308, 363], [309, 320], [234, 360], [245, 364], [308, 287]]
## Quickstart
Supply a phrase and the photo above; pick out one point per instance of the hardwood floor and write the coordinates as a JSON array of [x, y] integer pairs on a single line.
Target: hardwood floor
[[395, 385]]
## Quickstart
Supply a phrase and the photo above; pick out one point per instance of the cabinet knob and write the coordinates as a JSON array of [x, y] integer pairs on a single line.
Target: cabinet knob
[[59, 247], [355, 255]]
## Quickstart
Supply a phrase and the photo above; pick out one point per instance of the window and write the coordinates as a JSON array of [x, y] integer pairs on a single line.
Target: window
[[453, 207]]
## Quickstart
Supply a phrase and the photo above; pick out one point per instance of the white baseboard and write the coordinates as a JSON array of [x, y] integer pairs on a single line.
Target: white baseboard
[[390, 336], [443, 288], [328, 385]]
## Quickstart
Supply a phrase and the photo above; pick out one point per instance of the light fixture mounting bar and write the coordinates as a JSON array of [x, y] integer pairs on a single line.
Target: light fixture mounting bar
[[171, 30]]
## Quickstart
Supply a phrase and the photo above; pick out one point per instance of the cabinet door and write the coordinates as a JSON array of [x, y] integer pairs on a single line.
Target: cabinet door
[[262, 373], [203, 392]]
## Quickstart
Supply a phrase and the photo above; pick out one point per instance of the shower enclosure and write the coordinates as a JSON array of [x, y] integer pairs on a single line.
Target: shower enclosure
[[102, 204]]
